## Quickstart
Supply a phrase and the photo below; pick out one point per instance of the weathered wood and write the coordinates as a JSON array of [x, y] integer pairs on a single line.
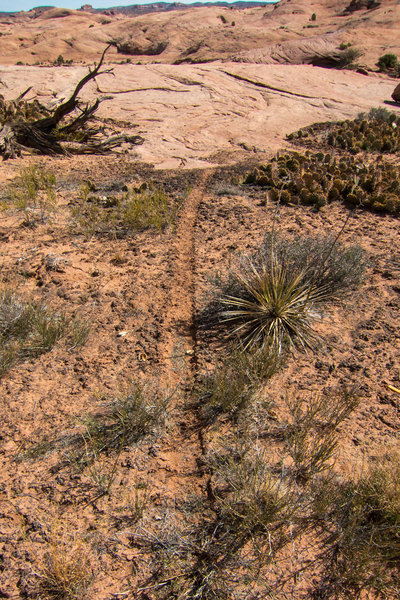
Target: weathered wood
[[50, 123], [38, 135]]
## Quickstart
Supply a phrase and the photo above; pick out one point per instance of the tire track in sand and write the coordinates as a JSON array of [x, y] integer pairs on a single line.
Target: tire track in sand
[[177, 348]]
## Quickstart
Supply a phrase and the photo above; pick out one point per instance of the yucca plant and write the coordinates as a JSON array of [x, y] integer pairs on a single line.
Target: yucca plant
[[273, 307]]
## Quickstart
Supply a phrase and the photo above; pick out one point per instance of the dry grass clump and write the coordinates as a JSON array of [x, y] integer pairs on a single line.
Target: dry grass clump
[[362, 525], [230, 387], [33, 192], [219, 549], [249, 499], [377, 131], [316, 179], [135, 414], [311, 434], [145, 207], [28, 328], [65, 573]]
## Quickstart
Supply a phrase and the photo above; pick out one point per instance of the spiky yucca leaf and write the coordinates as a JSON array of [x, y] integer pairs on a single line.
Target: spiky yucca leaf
[[275, 306]]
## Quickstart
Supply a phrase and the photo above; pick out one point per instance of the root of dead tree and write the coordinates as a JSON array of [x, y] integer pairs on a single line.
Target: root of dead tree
[[47, 135]]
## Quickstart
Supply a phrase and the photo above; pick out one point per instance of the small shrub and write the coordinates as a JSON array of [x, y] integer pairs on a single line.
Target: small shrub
[[134, 415], [229, 388], [313, 17], [271, 299], [311, 436], [324, 261], [34, 193], [146, 207], [223, 19], [362, 521], [28, 329], [388, 62], [348, 58], [249, 498], [273, 307]]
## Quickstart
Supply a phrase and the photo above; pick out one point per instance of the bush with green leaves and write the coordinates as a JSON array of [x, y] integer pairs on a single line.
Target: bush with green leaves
[[318, 178], [388, 62], [34, 193], [347, 58]]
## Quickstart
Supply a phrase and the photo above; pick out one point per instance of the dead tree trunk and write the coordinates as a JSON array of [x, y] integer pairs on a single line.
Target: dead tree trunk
[[39, 135]]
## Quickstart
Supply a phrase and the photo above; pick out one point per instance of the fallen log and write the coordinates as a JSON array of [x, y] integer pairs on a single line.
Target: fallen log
[[46, 136]]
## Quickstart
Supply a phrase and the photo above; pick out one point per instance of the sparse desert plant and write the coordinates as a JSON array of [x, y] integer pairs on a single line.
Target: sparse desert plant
[[272, 298], [65, 573], [313, 17], [34, 193], [135, 414], [388, 62], [231, 385], [324, 261], [311, 436], [348, 58], [29, 328], [225, 546], [249, 498], [145, 207], [273, 307], [362, 524]]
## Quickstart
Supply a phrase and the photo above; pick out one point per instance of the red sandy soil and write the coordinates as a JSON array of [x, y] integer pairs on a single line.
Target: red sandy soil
[[141, 293]]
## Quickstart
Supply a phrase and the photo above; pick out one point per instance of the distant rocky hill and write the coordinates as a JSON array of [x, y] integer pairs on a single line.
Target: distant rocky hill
[[142, 9]]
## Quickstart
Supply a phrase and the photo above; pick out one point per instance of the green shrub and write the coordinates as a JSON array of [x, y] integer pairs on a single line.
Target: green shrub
[[348, 57], [146, 207], [273, 307], [34, 193], [271, 298], [388, 62], [324, 262], [149, 208], [313, 17]]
